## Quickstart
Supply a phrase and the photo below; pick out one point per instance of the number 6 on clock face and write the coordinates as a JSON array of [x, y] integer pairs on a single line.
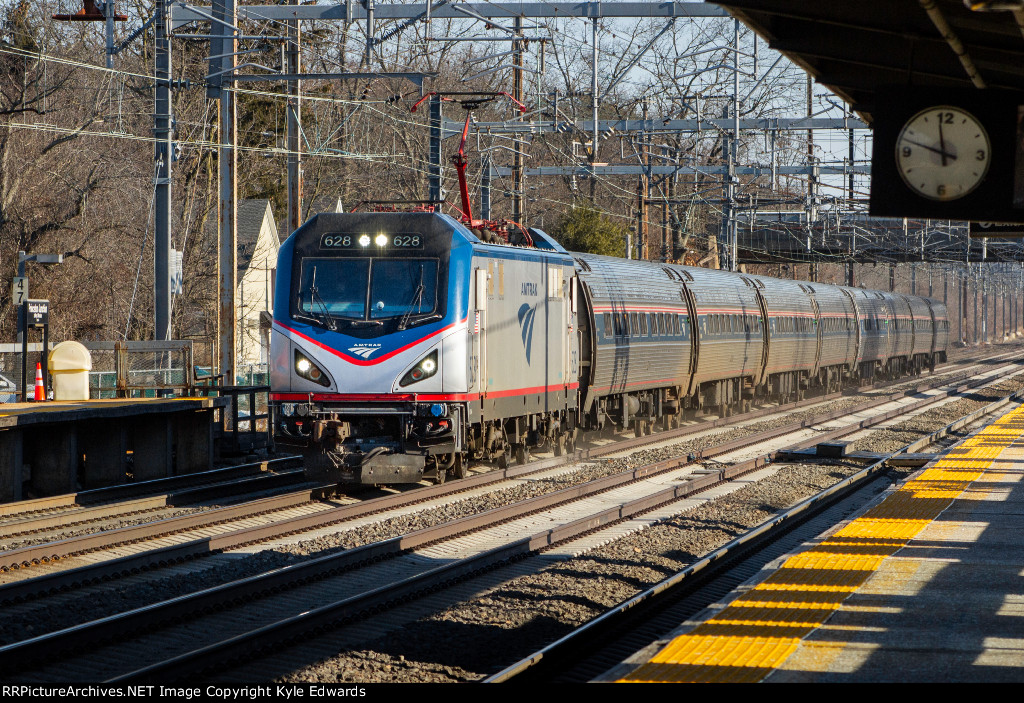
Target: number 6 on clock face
[[943, 153]]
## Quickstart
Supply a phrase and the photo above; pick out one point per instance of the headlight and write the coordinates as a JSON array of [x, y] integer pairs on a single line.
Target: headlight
[[426, 368], [308, 370]]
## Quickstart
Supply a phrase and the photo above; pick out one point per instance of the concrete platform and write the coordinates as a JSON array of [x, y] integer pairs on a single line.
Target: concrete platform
[[60, 447], [926, 585]]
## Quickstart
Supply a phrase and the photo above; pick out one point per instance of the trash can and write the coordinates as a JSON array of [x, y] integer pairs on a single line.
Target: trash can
[[70, 363]]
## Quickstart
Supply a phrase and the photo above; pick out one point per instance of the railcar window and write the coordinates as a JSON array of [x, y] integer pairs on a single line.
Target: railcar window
[[634, 326], [643, 323], [607, 319], [676, 324]]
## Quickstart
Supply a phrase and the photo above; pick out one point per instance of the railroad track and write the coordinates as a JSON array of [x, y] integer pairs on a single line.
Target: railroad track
[[594, 650], [350, 597], [278, 516], [40, 520]]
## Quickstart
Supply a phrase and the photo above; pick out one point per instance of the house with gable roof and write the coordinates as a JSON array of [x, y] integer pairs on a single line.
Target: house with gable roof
[[258, 242]]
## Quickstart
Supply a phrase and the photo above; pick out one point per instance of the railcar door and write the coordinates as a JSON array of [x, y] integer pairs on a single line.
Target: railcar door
[[857, 337]]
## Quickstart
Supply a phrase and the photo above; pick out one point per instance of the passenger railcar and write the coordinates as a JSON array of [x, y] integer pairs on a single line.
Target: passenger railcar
[[405, 344]]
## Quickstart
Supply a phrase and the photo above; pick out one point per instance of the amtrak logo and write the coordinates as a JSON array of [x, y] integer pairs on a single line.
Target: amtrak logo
[[526, 316], [364, 350]]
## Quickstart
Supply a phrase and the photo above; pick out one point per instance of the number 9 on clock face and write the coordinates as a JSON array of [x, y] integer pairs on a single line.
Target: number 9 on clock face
[[943, 153]]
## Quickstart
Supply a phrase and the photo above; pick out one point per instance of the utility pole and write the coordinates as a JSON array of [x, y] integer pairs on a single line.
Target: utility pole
[[435, 167], [984, 290], [518, 180], [734, 152], [643, 192], [224, 55], [163, 134], [593, 107], [293, 60], [485, 189]]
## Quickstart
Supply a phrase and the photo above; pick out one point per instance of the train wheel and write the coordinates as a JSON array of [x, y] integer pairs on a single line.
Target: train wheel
[[522, 453], [558, 445], [459, 467], [638, 428], [440, 475]]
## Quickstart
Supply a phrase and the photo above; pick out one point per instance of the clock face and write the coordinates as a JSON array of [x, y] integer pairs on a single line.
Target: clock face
[[943, 153]]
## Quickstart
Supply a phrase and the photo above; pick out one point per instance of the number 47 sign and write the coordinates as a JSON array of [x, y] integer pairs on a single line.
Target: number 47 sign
[[19, 290]]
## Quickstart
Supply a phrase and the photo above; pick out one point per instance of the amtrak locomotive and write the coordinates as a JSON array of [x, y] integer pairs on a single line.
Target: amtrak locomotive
[[405, 344]]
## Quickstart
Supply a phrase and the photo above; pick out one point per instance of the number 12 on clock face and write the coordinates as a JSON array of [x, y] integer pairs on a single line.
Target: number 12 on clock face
[[943, 153]]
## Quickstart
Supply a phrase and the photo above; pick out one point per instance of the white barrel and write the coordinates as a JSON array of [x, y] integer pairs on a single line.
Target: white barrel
[[70, 363]]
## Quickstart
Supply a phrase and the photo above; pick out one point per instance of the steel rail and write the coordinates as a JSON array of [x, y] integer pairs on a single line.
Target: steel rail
[[293, 628], [80, 517], [724, 555], [154, 487], [71, 578], [170, 611]]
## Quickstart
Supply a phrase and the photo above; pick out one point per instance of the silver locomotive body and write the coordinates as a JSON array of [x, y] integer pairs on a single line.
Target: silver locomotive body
[[402, 344]]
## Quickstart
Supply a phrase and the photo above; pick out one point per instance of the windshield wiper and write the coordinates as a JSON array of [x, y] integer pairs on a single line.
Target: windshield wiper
[[417, 300], [314, 297]]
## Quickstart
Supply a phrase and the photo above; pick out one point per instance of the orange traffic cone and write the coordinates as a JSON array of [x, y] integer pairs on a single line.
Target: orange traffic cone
[[40, 390]]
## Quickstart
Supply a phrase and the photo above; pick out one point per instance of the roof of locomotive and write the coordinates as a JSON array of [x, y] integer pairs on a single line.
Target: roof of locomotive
[[427, 223]]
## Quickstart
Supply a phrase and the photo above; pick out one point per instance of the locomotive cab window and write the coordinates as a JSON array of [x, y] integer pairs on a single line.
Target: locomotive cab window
[[367, 289]]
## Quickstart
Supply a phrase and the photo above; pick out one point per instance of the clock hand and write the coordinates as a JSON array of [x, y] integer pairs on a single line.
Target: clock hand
[[945, 154], [942, 141]]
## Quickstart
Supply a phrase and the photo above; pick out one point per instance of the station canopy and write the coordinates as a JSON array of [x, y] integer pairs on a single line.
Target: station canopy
[[855, 47]]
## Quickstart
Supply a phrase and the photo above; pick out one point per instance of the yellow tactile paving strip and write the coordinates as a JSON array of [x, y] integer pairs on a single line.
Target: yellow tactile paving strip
[[758, 631]]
